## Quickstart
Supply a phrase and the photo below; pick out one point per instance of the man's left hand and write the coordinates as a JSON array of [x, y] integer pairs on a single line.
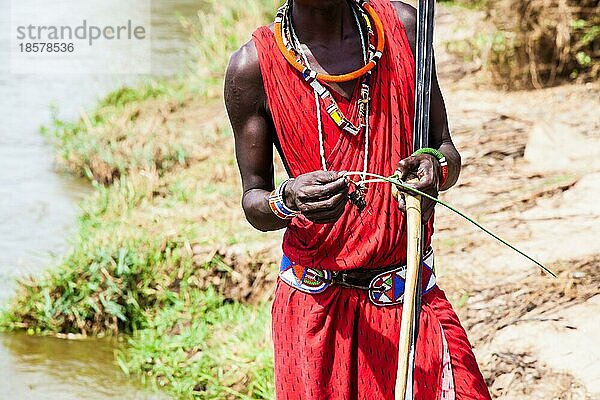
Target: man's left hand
[[427, 169]]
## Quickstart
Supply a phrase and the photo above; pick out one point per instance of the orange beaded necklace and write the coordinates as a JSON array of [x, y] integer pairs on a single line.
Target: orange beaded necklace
[[290, 56]]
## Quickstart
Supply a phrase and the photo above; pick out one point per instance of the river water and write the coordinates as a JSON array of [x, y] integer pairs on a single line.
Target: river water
[[38, 208]]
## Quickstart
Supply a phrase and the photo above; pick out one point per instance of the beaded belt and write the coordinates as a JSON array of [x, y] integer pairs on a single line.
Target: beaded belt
[[385, 285]]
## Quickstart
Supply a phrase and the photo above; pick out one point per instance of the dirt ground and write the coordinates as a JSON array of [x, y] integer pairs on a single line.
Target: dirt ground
[[530, 173]]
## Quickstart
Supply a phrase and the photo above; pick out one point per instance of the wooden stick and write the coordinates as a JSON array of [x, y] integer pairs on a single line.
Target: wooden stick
[[423, 77], [411, 291]]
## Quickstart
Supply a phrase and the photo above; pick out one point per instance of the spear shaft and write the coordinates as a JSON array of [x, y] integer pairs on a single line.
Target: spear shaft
[[423, 76]]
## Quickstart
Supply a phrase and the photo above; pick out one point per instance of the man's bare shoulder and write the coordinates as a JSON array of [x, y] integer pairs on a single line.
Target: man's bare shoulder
[[244, 60], [243, 71], [406, 13], [408, 16]]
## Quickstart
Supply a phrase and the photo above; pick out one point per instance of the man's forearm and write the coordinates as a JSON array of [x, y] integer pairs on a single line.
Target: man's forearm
[[258, 212]]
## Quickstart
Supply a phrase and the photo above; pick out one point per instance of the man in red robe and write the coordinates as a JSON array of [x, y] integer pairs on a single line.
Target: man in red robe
[[335, 331]]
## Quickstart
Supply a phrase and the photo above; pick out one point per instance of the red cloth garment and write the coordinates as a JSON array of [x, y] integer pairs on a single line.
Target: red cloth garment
[[336, 344], [376, 237]]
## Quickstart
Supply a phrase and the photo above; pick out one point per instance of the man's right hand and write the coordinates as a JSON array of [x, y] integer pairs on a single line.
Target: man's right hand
[[320, 196]]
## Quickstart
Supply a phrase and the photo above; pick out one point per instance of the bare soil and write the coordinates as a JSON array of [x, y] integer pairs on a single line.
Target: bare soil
[[533, 334]]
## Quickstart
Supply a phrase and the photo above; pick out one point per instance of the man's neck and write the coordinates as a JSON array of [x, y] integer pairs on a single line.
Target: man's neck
[[324, 23]]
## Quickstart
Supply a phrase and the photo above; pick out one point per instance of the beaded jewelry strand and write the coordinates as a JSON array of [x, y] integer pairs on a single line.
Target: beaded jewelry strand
[[290, 55], [289, 43], [297, 45]]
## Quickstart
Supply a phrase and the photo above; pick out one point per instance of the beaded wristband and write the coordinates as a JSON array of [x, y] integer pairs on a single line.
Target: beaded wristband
[[441, 159], [277, 203]]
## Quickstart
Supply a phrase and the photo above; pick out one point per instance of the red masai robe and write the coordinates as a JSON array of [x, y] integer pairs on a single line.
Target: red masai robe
[[336, 344]]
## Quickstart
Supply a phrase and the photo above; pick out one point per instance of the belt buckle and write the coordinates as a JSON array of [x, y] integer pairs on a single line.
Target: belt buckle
[[343, 276], [387, 288]]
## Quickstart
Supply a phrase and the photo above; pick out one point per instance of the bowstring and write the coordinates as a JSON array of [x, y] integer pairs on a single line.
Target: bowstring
[[395, 180]]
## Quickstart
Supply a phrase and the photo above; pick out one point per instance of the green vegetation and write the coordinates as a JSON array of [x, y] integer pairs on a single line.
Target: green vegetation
[[470, 4], [163, 254], [202, 346], [535, 43]]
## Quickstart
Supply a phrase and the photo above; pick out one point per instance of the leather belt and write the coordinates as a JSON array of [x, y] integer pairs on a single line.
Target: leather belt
[[384, 285], [359, 278]]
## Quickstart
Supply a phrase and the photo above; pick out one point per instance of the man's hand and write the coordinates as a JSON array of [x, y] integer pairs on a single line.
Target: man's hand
[[320, 196], [427, 169]]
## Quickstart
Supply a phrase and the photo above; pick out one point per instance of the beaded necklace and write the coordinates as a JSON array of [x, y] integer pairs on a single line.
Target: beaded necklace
[[289, 41], [292, 58], [286, 34]]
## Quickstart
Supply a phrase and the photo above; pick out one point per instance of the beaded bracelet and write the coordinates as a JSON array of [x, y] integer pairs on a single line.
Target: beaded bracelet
[[441, 159], [277, 203]]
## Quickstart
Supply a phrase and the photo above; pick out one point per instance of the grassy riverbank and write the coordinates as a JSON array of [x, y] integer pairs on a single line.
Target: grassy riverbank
[[164, 259], [163, 255]]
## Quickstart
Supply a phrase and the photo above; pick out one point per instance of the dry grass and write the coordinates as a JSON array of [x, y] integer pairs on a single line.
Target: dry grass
[[485, 310], [544, 42], [521, 376]]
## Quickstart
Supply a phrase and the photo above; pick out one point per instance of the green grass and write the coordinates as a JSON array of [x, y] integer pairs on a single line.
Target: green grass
[[469, 4], [205, 348], [150, 238]]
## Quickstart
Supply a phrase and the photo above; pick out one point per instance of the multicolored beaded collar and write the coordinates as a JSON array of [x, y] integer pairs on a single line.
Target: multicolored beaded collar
[[291, 48], [292, 56]]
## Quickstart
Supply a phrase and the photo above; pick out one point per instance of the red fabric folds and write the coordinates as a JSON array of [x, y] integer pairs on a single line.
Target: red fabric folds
[[376, 237], [336, 344]]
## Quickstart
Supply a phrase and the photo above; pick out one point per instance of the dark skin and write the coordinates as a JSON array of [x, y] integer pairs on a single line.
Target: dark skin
[[329, 36]]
